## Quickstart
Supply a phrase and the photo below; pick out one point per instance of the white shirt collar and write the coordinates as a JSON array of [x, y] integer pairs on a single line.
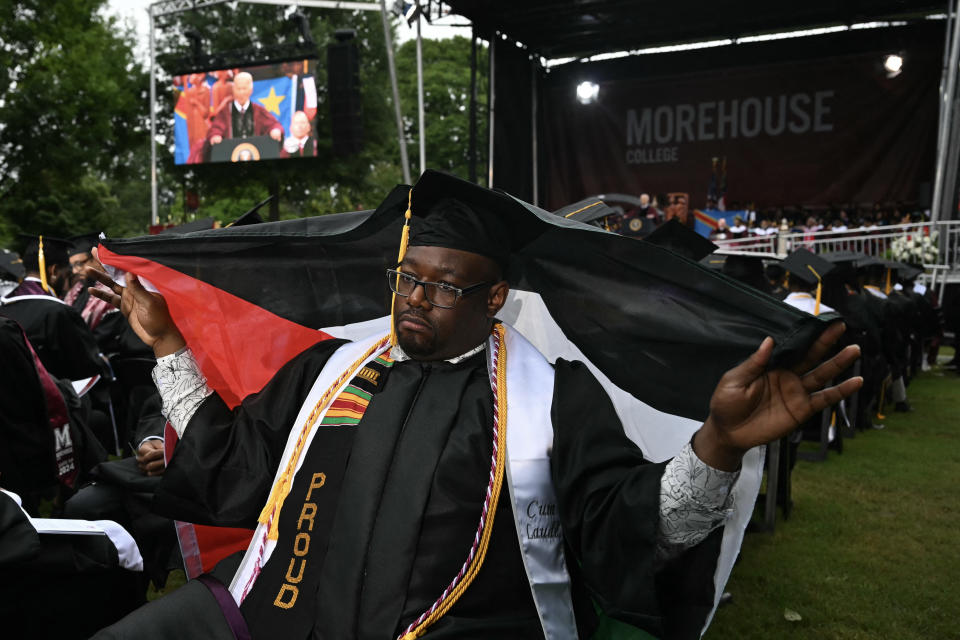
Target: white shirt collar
[[33, 279], [397, 354], [241, 107]]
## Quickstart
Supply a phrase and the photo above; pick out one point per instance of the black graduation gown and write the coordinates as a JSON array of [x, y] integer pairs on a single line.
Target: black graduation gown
[[27, 460], [411, 497], [65, 345]]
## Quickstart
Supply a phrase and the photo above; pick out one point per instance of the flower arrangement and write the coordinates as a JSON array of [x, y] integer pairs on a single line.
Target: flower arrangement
[[915, 249]]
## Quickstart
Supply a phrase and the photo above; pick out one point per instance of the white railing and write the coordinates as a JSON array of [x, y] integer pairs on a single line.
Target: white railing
[[874, 241]]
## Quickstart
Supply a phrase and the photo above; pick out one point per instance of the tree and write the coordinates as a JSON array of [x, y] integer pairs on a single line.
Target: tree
[[446, 89], [72, 117]]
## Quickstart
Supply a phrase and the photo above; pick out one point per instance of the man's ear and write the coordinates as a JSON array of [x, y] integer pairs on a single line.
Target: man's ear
[[497, 297]]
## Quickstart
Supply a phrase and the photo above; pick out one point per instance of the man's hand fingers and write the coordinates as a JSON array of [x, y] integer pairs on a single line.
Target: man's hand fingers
[[106, 296], [154, 468], [831, 396], [820, 348], [830, 369], [751, 368]]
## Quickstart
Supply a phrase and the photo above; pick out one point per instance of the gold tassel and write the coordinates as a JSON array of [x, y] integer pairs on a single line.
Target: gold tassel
[[43, 268], [786, 280], [404, 240], [816, 307], [888, 287]]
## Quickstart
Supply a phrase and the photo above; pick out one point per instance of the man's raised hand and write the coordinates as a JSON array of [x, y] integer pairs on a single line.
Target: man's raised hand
[[752, 405], [146, 312]]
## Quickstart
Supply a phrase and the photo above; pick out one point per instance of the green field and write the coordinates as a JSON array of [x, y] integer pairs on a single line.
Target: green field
[[870, 550]]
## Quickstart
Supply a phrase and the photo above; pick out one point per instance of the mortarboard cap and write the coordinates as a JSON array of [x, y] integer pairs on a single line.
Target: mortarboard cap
[[910, 271], [54, 248], [586, 210], [714, 261], [83, 243], [456, 214], [11, 266], [748, 269], [682, 240], [807, 266], [252, 216]]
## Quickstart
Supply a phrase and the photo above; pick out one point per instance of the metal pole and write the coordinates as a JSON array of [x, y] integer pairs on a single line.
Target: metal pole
[[472, 160], [946, 106], [533, 129], [401, 138], [154, 218], [423, 134], [491, 87]]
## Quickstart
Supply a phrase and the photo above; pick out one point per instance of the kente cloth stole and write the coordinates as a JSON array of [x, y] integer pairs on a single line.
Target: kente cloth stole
[[281, 603]]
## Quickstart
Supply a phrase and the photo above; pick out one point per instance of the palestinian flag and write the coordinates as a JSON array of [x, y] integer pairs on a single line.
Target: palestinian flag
[[656, 329]]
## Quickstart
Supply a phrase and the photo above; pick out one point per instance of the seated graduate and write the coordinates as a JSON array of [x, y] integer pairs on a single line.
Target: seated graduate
[[366, 465], [63, 579], [62, 339]]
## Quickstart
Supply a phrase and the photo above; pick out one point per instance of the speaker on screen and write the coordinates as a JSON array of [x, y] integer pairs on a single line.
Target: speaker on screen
[[343, 91]]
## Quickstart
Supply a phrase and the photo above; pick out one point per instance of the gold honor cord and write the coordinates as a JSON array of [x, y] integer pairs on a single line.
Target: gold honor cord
[[573, 213], [889, 286], [43, 268], [463, 580], [271, 511], [404, 240], [816, 307]]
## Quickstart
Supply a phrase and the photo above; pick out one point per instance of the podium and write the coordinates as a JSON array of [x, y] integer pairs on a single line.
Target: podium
[[245, 149]]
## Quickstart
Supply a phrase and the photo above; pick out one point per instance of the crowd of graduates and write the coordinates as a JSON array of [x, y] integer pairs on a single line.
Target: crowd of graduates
[[81, 440], [82, 431], [896, 321]]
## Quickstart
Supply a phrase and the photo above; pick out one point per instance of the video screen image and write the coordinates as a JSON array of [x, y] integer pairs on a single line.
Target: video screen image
[[246, 114]]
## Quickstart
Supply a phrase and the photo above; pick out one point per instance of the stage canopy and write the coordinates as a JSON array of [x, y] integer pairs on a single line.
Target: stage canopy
[[565, 28], [790, 121]]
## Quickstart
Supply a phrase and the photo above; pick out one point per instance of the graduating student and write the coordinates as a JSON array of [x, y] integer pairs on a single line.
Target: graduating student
[[367, 465], [805, 272], [63, 341]]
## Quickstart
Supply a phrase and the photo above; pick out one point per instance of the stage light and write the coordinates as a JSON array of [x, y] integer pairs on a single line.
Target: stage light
[[893, 65], [587, 92]]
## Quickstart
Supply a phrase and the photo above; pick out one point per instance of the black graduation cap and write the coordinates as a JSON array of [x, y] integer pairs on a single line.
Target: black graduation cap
[[586, 210], [807, 266], [714, 261], [456, 214], [251, 217], [681, 239], [54, 249], [83, 243], [11, 266], [910, 271], [748, 269]]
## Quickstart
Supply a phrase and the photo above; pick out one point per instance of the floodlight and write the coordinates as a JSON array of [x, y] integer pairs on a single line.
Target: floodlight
[[587, 92], [893, 65]]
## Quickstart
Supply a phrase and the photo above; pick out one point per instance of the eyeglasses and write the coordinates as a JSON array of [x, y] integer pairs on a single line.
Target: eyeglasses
[[438, 294], [76, 265]]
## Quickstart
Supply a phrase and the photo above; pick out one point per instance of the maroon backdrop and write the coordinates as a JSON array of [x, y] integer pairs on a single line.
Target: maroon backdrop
[[812, 132]]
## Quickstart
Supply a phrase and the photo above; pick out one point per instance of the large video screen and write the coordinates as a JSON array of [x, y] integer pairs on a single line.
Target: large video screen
[[246, 114]]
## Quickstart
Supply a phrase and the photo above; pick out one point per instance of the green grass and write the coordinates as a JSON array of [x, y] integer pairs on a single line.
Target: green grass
[[870, 550]]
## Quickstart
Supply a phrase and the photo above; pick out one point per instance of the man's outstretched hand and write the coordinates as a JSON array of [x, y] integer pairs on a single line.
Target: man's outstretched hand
[[753, 405], [146, 312]]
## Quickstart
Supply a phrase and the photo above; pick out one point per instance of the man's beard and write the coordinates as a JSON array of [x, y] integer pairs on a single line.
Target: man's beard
[[412, 346]]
